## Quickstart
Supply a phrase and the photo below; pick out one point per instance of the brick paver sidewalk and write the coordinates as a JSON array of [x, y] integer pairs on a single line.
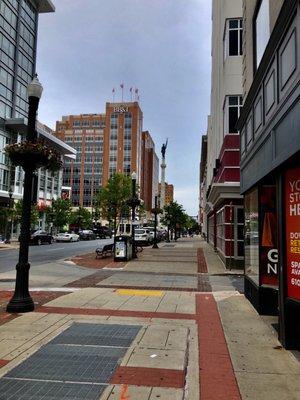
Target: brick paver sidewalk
[[197, 335]]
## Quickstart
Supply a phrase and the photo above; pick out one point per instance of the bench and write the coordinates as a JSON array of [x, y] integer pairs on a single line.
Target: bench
[[104, 251]]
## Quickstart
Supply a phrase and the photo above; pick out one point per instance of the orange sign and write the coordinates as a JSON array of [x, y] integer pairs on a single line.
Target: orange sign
[[292, 212]]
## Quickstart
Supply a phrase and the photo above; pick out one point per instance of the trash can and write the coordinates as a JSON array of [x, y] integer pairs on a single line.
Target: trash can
[[123, 248]]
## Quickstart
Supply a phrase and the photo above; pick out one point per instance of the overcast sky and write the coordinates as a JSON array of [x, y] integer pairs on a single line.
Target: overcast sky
[[162, 47]]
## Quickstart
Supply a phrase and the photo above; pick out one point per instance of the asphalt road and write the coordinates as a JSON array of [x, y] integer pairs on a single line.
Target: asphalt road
[[49, 253]]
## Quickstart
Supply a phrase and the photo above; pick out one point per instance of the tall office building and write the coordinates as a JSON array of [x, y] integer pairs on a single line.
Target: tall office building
[[149, 171], [105, 143], [18, 43], [122, 139], [84, 175]]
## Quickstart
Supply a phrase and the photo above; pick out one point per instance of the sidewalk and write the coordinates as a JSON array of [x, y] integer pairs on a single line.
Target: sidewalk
[[171, 325]]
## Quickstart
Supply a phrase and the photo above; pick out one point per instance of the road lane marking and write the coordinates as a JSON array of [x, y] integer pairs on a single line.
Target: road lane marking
[[57, 248]]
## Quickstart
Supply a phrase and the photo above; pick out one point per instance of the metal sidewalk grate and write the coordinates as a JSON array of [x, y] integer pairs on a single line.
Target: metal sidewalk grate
[[70, 363], [77, 364], [14, 389], [98, 335]]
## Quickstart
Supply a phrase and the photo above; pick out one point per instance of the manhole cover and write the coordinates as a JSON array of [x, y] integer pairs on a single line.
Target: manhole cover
[[15, 389]]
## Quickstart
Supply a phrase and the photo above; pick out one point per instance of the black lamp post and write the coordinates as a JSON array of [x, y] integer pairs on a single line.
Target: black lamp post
[[168, 227], [21, 300], [155, 212], [134, 202]]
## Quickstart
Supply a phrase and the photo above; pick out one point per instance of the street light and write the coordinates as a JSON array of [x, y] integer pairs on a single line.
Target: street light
[[21, 300], [168, 227], [134, 202], [155, 212]]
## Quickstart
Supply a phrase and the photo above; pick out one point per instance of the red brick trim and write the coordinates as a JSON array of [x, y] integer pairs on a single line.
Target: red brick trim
[[3, 362], [202, 266], [217, 378], [115, 313], [151, 377]]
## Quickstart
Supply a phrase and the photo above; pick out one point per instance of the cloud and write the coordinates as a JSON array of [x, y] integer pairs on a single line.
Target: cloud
[[160, 46]]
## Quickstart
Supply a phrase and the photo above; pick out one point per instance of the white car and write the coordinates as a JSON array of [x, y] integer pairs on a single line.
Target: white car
[[142, 236], [67, 237]]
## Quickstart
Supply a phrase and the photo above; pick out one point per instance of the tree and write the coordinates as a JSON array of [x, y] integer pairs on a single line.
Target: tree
[[114, 197], [59, 213], [17, 213], [81, 217], [175, 215]]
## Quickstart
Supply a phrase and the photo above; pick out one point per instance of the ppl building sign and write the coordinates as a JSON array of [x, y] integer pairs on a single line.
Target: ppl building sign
[[292, 211], [121, 109]]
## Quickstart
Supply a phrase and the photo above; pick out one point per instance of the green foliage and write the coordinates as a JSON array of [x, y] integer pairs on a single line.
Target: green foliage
[[81, 217], [114, 196], [4, 216], [16, 213], [59, 213], [175, 214]]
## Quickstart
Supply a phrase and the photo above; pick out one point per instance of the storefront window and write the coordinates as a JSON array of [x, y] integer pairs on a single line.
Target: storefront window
[[268, 238], [252, 236], [221, 230]]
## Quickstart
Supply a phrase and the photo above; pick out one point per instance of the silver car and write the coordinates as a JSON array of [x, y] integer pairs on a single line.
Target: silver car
[[67, 237], [142, 236]]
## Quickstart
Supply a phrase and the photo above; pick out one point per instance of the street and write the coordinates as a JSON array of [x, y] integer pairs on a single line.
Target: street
[[45, 253]]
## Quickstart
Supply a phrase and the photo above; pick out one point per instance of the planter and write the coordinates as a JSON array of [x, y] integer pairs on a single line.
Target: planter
[[34, 155]]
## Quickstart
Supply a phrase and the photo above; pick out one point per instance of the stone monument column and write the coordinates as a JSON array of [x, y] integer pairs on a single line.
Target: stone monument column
[[163, 175]]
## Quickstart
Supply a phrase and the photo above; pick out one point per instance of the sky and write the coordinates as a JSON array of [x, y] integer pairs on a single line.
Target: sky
[[162, 47]]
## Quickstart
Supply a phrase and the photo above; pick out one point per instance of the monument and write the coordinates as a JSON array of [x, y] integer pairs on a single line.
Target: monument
[[163, 175]]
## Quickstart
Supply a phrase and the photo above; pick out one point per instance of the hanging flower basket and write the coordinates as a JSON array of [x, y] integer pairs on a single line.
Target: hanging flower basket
[[34, 155]]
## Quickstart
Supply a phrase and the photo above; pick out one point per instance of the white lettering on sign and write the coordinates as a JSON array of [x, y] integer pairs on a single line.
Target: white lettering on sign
[[121, 109], [294, 209], [273, 261]]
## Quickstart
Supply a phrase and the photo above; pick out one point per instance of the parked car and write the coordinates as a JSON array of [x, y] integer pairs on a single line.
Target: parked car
[[142, 236], [87, 234], [151, 229], [39, 237], [67, 237], [102, 232]]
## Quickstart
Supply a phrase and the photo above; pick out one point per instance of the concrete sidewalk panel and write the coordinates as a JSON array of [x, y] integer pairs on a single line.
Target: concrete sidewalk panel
[[166, 394], [155, 358], [262, 386], [119, 392]]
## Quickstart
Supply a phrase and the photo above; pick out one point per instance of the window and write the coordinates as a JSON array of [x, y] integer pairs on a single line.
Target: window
[[252, 236], [262, 30], [232, 109], [233, 40], [114, 121]]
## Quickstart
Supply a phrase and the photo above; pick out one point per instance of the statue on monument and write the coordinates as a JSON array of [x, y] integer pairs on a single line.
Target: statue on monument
[[164, 148]]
